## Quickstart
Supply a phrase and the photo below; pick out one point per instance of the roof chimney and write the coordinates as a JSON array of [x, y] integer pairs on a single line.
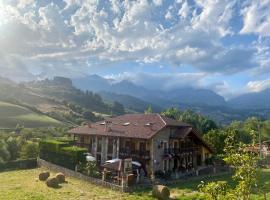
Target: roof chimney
[[89, 125], [107, 125]]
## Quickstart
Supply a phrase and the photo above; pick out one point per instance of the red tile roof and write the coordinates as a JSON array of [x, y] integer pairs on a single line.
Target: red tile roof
[[142, 126]]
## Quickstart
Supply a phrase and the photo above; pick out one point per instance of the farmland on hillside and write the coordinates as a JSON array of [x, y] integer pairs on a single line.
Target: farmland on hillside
[[12, 114]]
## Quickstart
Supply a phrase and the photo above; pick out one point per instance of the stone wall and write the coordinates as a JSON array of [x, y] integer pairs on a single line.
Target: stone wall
[[71, 173], [157, 159]]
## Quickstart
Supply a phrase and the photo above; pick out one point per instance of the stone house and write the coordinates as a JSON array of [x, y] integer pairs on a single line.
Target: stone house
[[157, 142]]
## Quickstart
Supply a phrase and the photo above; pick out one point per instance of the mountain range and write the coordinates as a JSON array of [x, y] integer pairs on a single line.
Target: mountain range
[[55, 98], [205, 101]]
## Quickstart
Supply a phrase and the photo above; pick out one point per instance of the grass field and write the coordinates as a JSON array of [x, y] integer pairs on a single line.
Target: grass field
[[23, 184], [11, 115]]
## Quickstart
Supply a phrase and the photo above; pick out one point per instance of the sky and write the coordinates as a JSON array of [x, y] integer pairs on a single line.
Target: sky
[[222, 45]]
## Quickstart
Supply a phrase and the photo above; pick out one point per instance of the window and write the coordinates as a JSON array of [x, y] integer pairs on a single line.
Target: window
[[165, 165], [165, 145]]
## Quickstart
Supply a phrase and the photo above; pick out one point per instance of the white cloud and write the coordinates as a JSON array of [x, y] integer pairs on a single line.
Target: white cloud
[[215, 16], [158, 2], [184, 10], [165, 81], [168, 15], [75, 36], [256, 16], [257, 86]]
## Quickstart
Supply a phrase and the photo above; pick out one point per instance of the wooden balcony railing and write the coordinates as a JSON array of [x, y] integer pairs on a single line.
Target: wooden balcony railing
[[125, 152], [177, 151]]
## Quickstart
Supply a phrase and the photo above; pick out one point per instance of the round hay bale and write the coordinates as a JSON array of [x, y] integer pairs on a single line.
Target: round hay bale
[[60, 177], [44, 175], [52, 182], [161, 192]]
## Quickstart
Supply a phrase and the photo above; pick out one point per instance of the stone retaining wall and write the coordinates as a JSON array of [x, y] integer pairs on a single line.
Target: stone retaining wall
[[68, 172]]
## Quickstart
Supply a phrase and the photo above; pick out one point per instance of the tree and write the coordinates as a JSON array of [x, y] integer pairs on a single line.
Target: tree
[[172, 113], [29, 150], [199, 122], [216, 139], [118, 108], [244, 163], [4, 153], [91, 169], [148, 110], [13, 146], [88, 115], [207, 125], [19, 128]]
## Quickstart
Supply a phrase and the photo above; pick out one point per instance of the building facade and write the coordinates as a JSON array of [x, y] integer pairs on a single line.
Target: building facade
[[157, 142]]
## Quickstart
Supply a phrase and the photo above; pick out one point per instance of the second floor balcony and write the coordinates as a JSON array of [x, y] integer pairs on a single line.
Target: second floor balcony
[[179, 151], [126, 152]]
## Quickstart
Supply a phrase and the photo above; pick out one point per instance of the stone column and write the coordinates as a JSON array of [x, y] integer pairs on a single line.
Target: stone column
[[95, 147], [117, 147], [104, 149]]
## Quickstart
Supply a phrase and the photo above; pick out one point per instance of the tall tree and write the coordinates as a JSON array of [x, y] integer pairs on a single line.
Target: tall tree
[[148, 110], [29, 150]]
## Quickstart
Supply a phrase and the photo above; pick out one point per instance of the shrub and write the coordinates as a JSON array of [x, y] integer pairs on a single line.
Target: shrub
[[18, 164], [29, 150], [52, 182], [60, 177], [43, 176]]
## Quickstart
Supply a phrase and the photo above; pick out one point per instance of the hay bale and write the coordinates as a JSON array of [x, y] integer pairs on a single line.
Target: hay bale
[[60, 177], [52, 182], [161, 192], [44, 175]]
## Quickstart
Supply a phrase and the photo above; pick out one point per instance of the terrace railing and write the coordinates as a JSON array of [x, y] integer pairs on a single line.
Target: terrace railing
[[178, 151], [125, 152]]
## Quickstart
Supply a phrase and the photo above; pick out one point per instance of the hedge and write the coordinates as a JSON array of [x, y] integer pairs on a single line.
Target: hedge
[[77, 153], [52, 145], [66, 140], [19, 164], [61, 153]]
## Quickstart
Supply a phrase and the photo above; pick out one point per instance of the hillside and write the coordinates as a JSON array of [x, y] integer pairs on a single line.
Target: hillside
[[129, 102], [12, 114], [62, 89], [254, 100], [56, 98]]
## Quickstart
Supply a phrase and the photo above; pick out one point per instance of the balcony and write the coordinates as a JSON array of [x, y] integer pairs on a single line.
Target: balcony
[[125, 152], [179, 151]]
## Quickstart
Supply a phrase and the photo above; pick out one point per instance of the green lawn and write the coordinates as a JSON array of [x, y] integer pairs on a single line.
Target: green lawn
[[11, 115], [23, 184]]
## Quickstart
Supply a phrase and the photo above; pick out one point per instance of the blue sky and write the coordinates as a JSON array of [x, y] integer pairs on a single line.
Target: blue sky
[[222, 45]]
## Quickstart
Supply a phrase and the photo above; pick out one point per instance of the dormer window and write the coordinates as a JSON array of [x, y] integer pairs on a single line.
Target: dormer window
[[102, 123], [126, 124], [149, 124]]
